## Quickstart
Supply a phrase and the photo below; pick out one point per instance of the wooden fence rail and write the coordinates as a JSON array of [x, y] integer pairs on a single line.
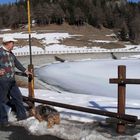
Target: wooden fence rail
[[125, 117]]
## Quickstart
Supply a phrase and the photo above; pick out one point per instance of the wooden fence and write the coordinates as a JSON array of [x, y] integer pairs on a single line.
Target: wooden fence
[[122, 118]]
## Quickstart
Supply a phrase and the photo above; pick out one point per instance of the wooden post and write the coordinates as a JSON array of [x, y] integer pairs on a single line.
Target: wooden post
[[30, 66], [122, 81], [121, 96], [31, 81]]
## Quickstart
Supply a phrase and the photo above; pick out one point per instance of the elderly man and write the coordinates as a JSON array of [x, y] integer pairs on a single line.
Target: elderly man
[[8, 86]]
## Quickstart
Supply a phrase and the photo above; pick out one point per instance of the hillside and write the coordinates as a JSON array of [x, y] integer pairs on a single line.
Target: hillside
[[82, 36], [118, 15]]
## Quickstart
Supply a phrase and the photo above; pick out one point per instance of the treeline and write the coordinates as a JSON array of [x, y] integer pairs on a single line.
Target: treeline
[[119, 15]]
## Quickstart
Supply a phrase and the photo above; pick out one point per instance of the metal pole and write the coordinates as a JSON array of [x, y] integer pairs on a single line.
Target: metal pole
[[121, 97], [29, 30], [30, 66]]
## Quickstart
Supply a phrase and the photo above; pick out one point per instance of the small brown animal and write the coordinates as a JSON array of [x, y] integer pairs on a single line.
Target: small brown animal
[[48, 113]]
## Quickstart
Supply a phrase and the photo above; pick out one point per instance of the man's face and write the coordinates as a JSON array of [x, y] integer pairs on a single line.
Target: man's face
[[10, 45]]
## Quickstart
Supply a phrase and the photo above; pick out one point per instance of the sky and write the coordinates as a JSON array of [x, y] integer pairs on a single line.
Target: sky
[[134, 0], [10, 1], [7, 1]]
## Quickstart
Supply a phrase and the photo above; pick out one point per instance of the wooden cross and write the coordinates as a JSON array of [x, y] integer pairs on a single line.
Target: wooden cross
[[122, 81]]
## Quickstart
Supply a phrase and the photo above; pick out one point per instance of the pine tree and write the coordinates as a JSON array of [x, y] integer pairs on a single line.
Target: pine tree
[[124, 33]]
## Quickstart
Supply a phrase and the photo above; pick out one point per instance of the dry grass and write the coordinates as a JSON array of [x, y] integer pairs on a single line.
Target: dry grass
[[87, 34], [34, 42], [112, 45]]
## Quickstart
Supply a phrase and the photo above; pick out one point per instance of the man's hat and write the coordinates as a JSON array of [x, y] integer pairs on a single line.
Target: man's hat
[[8, 39]]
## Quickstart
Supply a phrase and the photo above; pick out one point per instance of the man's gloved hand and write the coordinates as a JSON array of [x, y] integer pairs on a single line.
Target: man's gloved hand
[[28, 73]]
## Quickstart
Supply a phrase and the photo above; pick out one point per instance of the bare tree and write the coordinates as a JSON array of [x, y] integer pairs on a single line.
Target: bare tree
[[22, 14], [13, 19], [124, 32], [79, 16], [135, 29], [58, 14]]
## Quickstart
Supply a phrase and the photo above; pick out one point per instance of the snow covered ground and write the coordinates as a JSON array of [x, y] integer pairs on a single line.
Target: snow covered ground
[[86, 84], [51, 44], [77, 125]]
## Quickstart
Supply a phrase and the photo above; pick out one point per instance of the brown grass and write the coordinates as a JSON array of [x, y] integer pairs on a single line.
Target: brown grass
[[87, 34]]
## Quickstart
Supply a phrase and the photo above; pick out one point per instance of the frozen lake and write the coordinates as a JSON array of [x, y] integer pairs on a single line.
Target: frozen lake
[[91, 76]]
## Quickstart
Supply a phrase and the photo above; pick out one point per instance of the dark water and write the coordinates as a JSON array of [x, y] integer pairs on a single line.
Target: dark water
[[20, 133]]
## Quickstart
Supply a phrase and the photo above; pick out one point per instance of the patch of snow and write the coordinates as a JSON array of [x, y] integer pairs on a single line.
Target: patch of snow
[[5, 30], [104, 41], [114, 35]]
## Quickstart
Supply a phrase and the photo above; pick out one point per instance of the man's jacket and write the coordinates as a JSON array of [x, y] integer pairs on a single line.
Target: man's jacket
[[9, 62]]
